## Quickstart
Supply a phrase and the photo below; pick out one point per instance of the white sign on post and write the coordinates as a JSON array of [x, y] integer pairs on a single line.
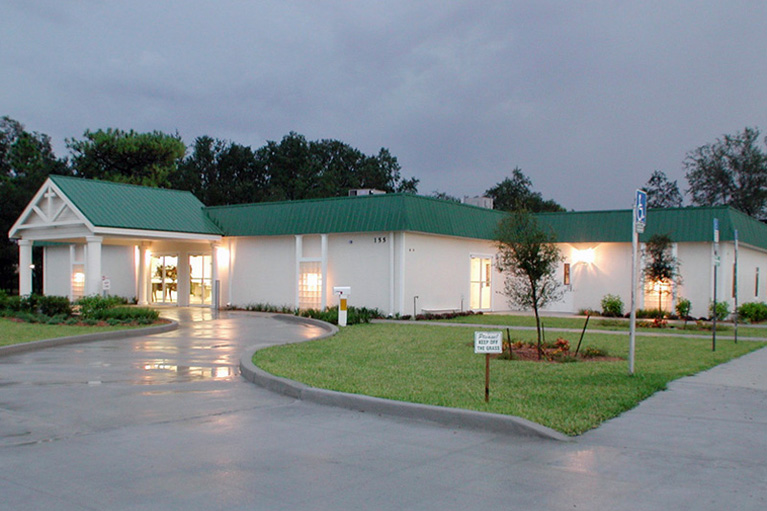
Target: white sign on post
[[488, 342]]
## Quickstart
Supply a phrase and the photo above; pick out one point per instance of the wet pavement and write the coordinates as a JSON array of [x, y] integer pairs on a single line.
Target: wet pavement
[[166, 422]]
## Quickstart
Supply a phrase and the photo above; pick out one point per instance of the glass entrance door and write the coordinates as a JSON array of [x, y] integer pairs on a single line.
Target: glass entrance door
[[164, 279], [481, 272], [200, 279]]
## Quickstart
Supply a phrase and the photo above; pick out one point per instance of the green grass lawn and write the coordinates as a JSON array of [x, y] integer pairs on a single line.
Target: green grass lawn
[[437, 365], [600, 323], [12, 332]]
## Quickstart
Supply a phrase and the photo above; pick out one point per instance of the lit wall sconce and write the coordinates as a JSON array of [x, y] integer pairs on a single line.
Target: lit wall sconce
[[583, 256], [222, 253]]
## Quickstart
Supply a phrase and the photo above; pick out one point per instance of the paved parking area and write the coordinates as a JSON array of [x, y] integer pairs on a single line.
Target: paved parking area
[[166, 422]]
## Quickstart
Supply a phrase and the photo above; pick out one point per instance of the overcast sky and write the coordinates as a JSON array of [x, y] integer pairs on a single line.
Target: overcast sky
[[587, 98]]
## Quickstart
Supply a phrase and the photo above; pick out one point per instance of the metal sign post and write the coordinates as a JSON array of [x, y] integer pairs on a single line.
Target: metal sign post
[[735, 284], [638, 223], [716, 271]]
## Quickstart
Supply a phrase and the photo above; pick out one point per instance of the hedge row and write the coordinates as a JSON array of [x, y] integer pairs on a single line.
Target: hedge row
[[88, 310]]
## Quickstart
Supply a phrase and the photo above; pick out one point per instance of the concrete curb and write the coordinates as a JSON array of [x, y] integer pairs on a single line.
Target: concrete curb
[[451, 417], [73, 339]]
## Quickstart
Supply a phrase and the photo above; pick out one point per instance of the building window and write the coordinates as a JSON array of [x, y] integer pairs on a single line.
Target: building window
[[78, 281], [567, 274], [310, 285], [756, 283]]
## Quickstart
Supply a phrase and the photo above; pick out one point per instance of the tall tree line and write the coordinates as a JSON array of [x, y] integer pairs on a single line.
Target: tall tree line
[[217, 171], [731, 171]]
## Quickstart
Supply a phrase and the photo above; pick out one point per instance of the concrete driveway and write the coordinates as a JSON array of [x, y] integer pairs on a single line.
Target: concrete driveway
[[166, 422]]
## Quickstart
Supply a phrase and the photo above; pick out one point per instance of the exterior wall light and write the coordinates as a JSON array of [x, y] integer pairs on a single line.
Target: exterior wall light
[[583, 256]]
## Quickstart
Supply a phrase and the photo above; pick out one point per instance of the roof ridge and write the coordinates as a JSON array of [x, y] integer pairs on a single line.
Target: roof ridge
[[305, 201], [56, 177], [381, 196]]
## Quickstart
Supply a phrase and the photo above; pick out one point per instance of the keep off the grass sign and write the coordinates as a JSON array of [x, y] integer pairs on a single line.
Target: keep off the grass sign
[[488, 343]]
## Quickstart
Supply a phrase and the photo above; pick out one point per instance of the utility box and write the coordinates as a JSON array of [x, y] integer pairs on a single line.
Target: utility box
[[343, 293]]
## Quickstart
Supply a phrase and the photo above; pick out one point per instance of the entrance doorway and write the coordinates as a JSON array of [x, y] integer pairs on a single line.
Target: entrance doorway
[[164, 279], [481, 289], [200, 279]]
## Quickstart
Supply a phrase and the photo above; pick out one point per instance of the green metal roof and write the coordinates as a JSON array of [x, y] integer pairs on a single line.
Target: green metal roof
[[386, 212], [118, 205], [108, 204], [682, 224], [407, 212]]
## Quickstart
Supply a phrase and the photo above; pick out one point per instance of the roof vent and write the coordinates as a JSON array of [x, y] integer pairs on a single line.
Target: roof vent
[[482, 202], [365, 191]]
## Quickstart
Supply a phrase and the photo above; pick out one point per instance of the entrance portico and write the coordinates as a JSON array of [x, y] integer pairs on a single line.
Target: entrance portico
[[155, 245]]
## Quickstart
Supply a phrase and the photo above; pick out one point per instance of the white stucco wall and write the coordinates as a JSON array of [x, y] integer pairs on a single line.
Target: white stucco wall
[[436, 269], [609, 273], [361, 261], [438, 272], [119, 266], [56, 274], [695, 267], [263, 271]]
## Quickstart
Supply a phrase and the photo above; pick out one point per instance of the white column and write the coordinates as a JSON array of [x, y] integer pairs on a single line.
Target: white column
[[299, 255], [25, 267], [402, 262], [142, 273], [93, 266], [324, 290], [215, 296], [391, 274]]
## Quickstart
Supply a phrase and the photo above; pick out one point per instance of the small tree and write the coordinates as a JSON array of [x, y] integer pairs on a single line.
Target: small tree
[[663, 267], [528, 256], [683, 309]]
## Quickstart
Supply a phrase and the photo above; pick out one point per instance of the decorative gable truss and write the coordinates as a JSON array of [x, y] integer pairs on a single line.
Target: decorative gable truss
[[47, 214]]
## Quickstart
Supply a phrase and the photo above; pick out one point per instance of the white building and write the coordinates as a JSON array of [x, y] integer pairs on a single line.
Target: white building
[[400, 253]]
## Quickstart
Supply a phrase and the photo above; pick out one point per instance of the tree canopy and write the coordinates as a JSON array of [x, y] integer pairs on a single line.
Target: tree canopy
[[515, 193], [731, 171], [219, 172], [26, 160], [148, 159], [662, 192]]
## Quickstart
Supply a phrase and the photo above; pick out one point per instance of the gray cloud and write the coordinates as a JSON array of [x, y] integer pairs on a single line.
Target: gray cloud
[[588, 98]]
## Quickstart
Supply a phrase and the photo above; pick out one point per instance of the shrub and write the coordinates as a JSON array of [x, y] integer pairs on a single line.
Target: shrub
[[54, 305], [651, 313], [354, 315], [612, 306], [683, 308], [755, 312], [141, 315], [593, 352], [722, 310], [36, 304], [89, 305]]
